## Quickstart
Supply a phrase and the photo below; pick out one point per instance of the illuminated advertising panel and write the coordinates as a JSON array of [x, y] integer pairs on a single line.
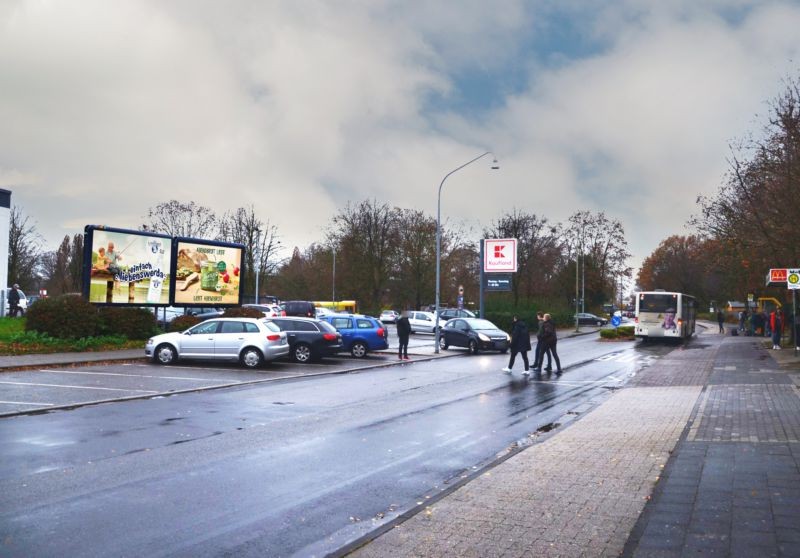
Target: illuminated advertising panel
[[206, 273], [123, 267]]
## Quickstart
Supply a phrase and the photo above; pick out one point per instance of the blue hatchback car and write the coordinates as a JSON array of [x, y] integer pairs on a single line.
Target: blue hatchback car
[[360, 334]]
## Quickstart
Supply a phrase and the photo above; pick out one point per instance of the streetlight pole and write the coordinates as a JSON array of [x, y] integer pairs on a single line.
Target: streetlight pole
[[256, 262], [334, 277], [439, 237]]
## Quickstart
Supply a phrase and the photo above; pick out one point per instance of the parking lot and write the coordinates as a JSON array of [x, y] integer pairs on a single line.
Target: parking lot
[[63, 386]]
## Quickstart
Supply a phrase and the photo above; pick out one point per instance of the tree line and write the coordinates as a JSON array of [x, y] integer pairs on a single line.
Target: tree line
[[380, 255], [751, 224]]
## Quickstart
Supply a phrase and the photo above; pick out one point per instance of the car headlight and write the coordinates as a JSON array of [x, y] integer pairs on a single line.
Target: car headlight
[[483, 337], [508, 338]]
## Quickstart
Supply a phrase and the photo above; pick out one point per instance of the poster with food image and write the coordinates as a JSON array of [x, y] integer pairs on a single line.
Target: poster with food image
[[126, 267], [207, 274]]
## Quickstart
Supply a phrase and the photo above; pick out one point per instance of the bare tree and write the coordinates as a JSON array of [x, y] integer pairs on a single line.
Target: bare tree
[[182, 219], [62, 269], [261, 244], [24, 250]]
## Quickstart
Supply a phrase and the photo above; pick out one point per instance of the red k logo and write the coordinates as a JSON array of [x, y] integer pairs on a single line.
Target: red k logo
[[498, 251]]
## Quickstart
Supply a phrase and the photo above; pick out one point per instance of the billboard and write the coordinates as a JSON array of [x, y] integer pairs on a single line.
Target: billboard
[[207, 273], [123, 267]]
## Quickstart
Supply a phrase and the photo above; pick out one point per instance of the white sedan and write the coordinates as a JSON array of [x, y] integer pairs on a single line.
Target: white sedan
[[422, 322]]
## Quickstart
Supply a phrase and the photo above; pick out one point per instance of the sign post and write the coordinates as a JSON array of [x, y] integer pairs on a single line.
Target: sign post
[[793, 283], [498, 256]]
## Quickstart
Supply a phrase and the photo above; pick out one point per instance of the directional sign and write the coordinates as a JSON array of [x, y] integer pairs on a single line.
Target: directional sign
[[615, 321], [500, 254], [793, 279]]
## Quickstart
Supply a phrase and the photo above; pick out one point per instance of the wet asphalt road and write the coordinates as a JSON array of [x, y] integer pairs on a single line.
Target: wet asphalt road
[[294, 467]]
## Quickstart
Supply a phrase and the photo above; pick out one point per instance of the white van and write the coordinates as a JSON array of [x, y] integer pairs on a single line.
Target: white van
[[23, 302]]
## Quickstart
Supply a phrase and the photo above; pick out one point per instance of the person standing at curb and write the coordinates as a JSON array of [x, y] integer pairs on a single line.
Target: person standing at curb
[[550, 339], [776, 326], [13, 301], [403, 331], [541, 348], [520, 343], [721, 321]]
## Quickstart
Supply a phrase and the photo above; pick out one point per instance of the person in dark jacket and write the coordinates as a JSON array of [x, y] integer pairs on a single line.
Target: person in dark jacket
[[13, 301], [520, 343], [549, 338], [721, 321], [541, 349], [403, 331]]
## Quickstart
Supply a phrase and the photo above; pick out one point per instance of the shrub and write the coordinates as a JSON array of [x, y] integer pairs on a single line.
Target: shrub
[[133, 323], [182, 323], [243, 312], [66, 317], [622, 333]]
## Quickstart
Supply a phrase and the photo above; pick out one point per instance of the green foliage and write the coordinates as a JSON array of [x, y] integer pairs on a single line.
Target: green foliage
[[10, 327], [66, 317], [182, 323], [27, 342], [133, 323], [242, 312], [622, 333]]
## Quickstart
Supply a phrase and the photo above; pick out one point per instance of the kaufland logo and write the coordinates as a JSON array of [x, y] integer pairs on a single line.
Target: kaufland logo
[[500, 254]]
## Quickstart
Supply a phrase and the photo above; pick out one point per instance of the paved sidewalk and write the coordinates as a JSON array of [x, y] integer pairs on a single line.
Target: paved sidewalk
[[699, 454], [51, 359]]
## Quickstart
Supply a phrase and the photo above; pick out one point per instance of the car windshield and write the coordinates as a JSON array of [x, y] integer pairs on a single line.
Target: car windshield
[[481, 324], [270, 326]]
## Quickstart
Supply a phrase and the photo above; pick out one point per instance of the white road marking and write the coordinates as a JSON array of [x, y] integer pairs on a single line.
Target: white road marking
[[26, 403], [76, 387], [133, 375]]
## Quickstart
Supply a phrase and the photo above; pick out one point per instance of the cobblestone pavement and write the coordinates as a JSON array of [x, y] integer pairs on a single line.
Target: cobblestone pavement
[[698, 455]]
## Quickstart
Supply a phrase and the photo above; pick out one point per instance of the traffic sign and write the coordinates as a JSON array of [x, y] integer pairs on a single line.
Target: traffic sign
[[615, 321], [793, 278]]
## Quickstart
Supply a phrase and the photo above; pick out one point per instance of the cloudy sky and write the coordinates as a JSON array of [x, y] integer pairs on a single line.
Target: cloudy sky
[[300, 106]]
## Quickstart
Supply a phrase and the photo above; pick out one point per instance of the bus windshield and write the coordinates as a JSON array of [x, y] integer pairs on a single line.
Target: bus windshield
[[658, 303]]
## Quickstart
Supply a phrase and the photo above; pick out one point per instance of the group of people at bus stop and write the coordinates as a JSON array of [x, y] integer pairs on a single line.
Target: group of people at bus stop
[[764, 324]]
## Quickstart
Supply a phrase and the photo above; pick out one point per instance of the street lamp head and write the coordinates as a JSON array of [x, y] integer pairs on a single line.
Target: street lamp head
[[495, 165]]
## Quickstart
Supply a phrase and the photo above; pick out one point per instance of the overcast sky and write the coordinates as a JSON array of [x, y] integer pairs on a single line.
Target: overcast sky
[[297, 107]]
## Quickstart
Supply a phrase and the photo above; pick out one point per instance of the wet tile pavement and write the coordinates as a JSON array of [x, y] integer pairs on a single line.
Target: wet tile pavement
[[698, 455]]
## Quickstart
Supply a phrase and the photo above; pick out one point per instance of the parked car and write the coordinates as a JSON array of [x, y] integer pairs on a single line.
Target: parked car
[[321, 312], [299, 308], [165, 314], [250, 341], [269, 310], [23, 302], [450, 313], [205, 313], [584, 318], [309, 338], [389, 316], [360, 334], [475, 334], [422, 321]]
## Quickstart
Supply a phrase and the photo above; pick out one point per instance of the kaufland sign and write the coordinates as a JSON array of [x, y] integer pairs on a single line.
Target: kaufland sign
[[500, 255]]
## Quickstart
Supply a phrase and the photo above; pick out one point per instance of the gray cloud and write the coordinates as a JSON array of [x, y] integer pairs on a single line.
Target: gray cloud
[[109, 108]]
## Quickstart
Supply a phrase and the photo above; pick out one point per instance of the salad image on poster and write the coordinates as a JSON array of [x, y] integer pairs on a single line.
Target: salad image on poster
[[207, 274], [128, 268]]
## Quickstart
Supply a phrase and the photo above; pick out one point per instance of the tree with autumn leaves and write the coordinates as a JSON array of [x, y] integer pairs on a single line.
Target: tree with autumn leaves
[[750, 225]]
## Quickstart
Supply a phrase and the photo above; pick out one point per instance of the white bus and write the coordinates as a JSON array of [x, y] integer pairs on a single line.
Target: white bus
[[662, 314]]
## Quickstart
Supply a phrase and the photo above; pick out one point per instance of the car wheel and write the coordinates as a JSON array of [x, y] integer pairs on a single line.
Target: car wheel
[[165, 354], [443, 344], [358, 350], [252, 357], [473, 346], [302, 353], [599, 323]]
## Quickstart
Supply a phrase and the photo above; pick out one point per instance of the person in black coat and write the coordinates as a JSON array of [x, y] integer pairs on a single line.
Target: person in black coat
[[541, 348], [550, 338], [403, 331], [520, 343], [13, 301]]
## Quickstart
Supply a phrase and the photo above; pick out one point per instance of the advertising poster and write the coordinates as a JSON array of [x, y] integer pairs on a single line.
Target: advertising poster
[[207, 274], [127, 267]]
